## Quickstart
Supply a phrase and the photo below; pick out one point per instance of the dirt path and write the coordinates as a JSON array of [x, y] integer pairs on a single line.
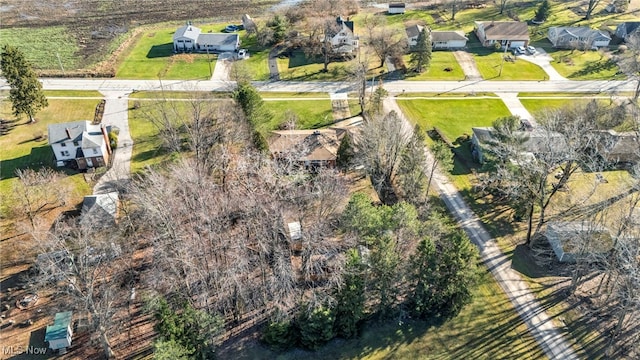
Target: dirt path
[[540, 325], [468, 65]]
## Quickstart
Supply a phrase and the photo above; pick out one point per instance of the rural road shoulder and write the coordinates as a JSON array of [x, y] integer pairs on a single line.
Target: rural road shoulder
[[540, 324]]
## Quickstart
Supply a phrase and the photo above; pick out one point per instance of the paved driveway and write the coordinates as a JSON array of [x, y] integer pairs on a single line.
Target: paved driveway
[[468, 65], [542, 59], [223, 67]]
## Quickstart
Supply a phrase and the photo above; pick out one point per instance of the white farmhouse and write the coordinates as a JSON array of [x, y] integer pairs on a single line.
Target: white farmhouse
[[79, 144], [344, 41], [189, 38]]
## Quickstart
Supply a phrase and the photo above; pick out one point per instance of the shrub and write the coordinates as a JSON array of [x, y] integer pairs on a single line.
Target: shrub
[[315, 327], [113, 139], [279, 335]]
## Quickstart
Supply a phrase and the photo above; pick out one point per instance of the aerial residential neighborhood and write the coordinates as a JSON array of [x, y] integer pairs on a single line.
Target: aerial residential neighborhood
[[320, 179]]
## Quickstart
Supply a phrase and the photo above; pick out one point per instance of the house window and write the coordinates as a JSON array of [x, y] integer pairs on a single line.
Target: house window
[[63, 144], [180, 41], [75, 143], [95, 151], [64, 153]]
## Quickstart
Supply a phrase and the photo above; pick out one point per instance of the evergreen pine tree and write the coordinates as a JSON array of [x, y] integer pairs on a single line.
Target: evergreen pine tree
[[543, 11], [421, 55], [26, 94]]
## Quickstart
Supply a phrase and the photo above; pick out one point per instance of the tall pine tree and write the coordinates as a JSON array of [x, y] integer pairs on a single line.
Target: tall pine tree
[[26, 94], [421, 55]]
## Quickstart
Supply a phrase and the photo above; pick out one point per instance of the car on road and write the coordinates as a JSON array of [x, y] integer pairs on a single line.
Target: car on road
[[531, 50]]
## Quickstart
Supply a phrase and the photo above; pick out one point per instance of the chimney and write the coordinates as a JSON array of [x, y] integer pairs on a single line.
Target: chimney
[[68, 133]]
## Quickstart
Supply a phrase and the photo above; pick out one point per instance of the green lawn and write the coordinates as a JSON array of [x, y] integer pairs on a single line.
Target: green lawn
[[584, 65], [151, 57], [535, 106], [267, 95], [490, 62], [453, 117], [440, 61], [73, 93], [257, 65], [301, 69], [312, 114], [147, 144], [488, 328], [43, 45], [20, 150]]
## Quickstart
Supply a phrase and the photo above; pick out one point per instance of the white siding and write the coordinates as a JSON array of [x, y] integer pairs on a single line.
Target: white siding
[[63, 153]]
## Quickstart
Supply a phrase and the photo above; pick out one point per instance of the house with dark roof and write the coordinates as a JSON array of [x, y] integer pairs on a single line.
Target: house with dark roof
[[344, 40], [189, 38], [617, 149], [577, 37], [310, 148], [626, 28], [440, 40], [60, 333], [506, 33], [80, 144]]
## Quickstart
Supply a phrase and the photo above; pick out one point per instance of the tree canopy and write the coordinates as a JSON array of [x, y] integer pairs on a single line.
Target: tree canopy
[[26, 94]]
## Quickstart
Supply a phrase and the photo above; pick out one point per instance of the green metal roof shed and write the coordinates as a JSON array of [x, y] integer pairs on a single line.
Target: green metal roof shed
[[59, 334]]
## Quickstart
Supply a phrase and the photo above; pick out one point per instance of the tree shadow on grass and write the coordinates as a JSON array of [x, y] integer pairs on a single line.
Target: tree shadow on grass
[[594, 67], [39, 157], [158, 51]]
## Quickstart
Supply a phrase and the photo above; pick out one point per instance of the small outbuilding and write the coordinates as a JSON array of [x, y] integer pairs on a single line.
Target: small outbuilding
[[397, 8], [59, 334]]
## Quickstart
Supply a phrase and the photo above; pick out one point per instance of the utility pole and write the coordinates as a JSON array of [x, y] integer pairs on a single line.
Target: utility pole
[[506, 46], [60, 62]]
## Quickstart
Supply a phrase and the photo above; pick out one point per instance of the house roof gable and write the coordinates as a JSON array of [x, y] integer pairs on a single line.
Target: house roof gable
[[440, 36], [414, 30], [68, 131], [187, 31], [505, 30], [306, 145], [580, 32]]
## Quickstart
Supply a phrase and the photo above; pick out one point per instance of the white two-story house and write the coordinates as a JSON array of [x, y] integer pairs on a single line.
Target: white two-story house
[[80, 144], [344, 41]]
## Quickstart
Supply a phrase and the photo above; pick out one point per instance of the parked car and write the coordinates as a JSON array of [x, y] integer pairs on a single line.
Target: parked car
[[525, 125], [531, 50], [243, 54], [230, 28], [520, 50]]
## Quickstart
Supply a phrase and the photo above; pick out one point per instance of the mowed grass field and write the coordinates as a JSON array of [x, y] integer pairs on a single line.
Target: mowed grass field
[[45, 47], [20, 150], [311, 114], [454, 117], [443, 67]]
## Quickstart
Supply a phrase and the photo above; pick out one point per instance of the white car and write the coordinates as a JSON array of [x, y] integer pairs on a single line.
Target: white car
[[531, 50], [243, 54], [520, 50]]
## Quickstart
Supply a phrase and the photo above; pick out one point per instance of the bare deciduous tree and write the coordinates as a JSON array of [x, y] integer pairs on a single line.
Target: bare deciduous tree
[[37, 192]]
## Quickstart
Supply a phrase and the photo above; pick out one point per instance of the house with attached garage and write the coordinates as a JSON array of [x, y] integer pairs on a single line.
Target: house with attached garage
[[80, 144], [440, 40], [577, 37], [189, 38], [506, 33]]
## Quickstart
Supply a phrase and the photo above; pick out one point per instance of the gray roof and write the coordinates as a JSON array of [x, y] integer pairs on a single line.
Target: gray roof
[[414, 30], [188, 31], [536, 141], [630, 26], [69, 131], [447, 36], [82, 131], [218, 39], [580, 32], [100, 210], [396, 5], [505, 30]]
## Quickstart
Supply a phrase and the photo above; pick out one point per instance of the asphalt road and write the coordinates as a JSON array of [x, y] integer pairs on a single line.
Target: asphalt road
[[437, 87]]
